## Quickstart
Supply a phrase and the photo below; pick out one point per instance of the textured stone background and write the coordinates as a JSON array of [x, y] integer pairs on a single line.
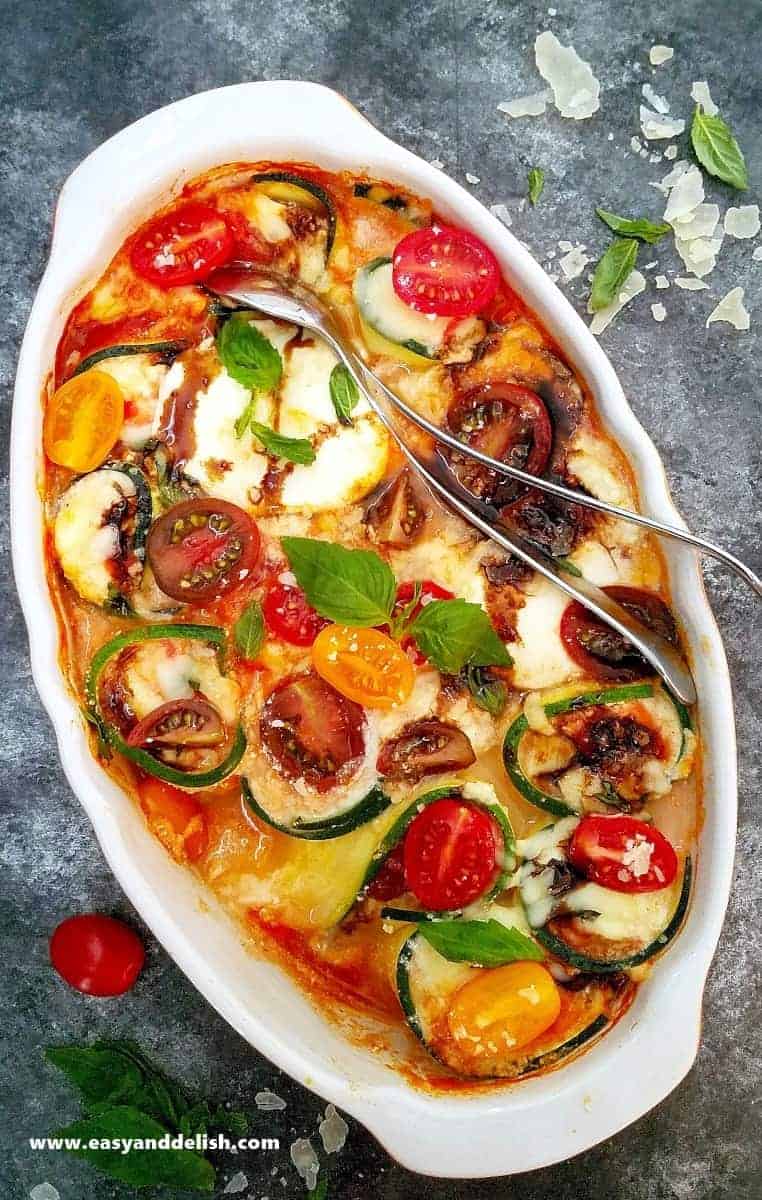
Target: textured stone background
[[430, 76]]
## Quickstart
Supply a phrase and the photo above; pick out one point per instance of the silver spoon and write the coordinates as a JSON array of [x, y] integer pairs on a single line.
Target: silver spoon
[[294, 303]]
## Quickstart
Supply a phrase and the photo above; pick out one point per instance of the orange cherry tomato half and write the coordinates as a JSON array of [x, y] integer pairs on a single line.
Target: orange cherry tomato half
[[83, 420], [513, 1004], [175, 818], [364, 665], [97, 955]]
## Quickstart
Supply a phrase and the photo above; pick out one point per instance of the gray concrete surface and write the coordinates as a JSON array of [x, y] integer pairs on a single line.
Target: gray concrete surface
[[430, 75]]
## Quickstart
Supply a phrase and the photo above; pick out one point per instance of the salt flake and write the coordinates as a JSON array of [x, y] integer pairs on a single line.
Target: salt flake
[[742, 222], [474, 179], [660, 54], [700, 93], [575, 89], [661, 282], [306, 1161], [237, 1184], [502, 214], [670, 152], [731, 309], [633, 285], [333, 1131], [268, 1102], [436, 162], [757, 254]]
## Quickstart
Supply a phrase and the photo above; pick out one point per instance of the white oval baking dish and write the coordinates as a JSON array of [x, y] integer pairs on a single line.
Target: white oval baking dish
[[518, 1128]]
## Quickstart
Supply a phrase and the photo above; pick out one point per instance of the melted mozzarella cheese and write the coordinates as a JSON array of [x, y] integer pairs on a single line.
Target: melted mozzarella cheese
[[305, 394], [83, 543], [347, 466], [143, 384], [622, 916], [227, 466], [539, 656], [159, 671]]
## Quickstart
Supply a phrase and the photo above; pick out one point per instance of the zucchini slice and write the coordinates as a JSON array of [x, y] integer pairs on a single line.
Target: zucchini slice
[[399, 829], [100, 532], [288, 188], [382, 311], [333, 825], [110, 736], [167, 350], [673, 723], [426, 984]]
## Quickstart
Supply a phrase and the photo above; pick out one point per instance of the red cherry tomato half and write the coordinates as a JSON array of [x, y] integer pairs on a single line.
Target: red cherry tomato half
[[405, 592], [445, 271], [601, 651], [289, 615], [450, 854], [183, 246], [623, 854], [201, 548], [97, 955]]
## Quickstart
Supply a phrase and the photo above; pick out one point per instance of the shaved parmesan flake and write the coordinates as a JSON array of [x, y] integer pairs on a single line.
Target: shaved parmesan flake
[[700, 223], [436, 162], [657, 102], [268, 1101], [526, 106], [690, 284], [660, 54], [306, 1161], [636, 144], [238, 1183], [661, 281], [658, 312], [633, 285], [700, 93], [699, 255], [574, 262], [670, 152], [565, 246], [742, 222], [731, 310], [575, 88], [333, 1131], [502, 214], [685, 195], [44, 1191], [658, 125], [757, 254], [472, 178]]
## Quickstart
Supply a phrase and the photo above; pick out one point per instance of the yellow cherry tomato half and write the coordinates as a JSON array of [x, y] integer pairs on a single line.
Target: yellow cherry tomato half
[[511, 1005], [364, 665], [83, 420]]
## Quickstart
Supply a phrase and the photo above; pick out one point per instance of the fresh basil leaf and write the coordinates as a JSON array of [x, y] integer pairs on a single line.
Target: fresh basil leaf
[[353, 587], [452, 633], [344, 393], [399, 622], [320, 1190], [536, 182], [638, 227], [141, 1168], [295, 450], [100, 1073], [249, 630], [611, 272], [247, 416], [717, 150], [482, 943], [158, 1097], [488, 692], [567, 565], [247, 355]]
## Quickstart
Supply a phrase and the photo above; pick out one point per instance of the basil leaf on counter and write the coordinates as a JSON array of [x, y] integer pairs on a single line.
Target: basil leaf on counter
[[352, 587], [717, 150], [488, 692], [249, 630], [612, 271], [452, 633], [536, 182], [638, 227], [247, 355], [481, 943], [344, 393], [295, 450]]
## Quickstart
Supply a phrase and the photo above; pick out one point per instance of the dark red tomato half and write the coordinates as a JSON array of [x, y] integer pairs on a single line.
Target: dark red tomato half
[[311, 731], [451, 854], [623, 854], [444, 270], [511, 424], [390, 880], [425, 747], [201, 548], [290, 616], [193, 723], [183, 246], [601, 651], [97, 955], [405, 592]]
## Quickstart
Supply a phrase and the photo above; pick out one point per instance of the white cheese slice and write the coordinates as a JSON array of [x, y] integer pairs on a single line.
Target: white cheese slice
[[623, 916], [347, 466], [305, 404], [160, 671], [539, 657], [658, 55], [526, 106], [83, 543], [686, 193], [227, 466], [142, 384]]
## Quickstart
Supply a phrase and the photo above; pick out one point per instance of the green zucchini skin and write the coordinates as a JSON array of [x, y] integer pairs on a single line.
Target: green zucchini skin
[[547, 1059], [308, 186], [366, 809], [144, 503], [168, 350], [411, 344], [516, 731], [595, 966], [399, 829], [113, 740]]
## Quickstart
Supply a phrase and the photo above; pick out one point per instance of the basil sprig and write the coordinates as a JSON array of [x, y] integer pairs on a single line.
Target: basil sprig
[[535, 182], [488, 692], [717, 150], [452, 633], [247, 355], [126, 1096], [249, 630], [344, 393], [612, 271], [481, 943], [638, 227], [295, 450]]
